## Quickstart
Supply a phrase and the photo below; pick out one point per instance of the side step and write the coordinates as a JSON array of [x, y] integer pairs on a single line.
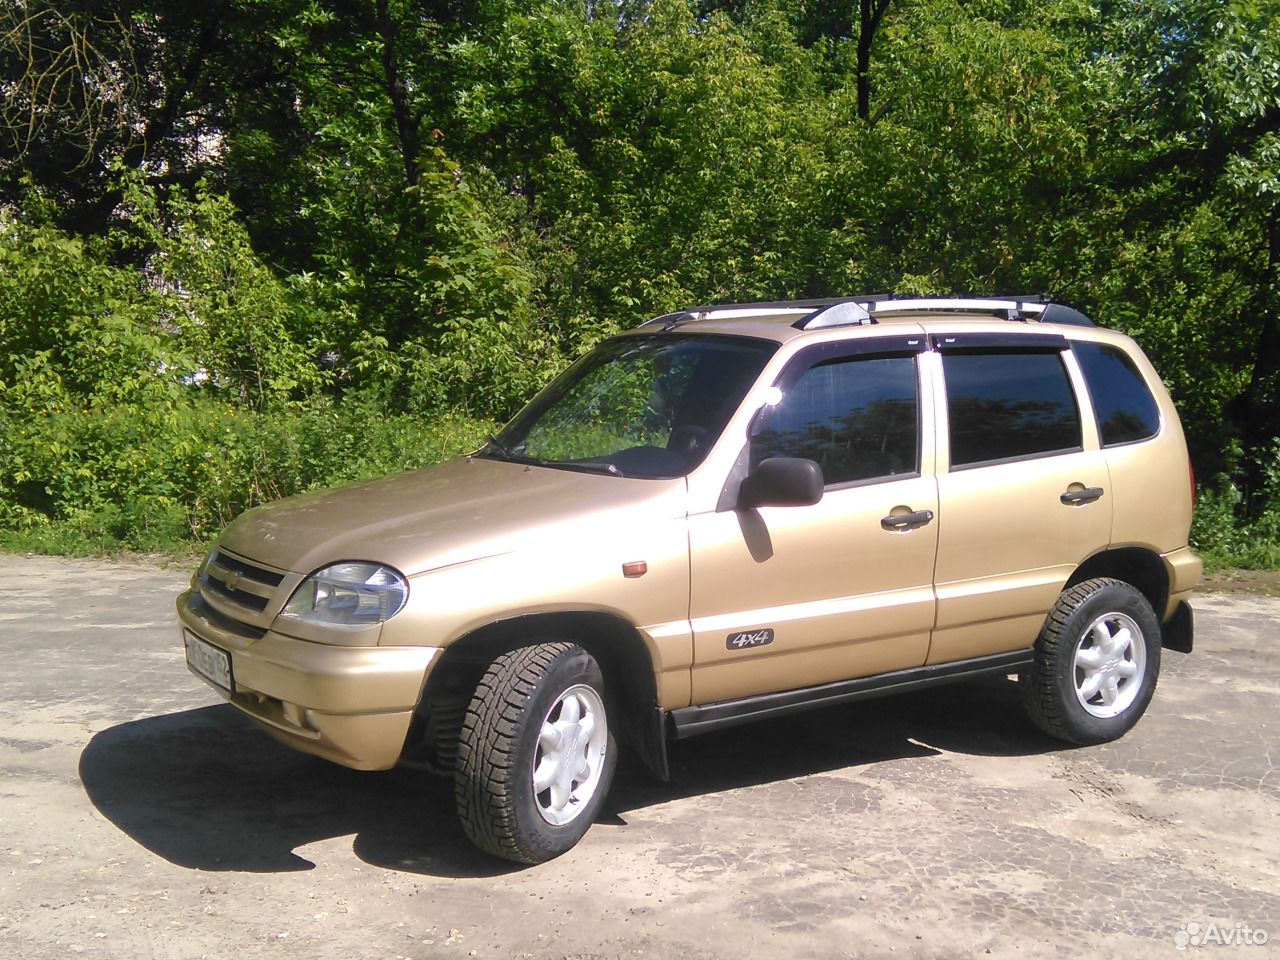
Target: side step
[[690, 721]]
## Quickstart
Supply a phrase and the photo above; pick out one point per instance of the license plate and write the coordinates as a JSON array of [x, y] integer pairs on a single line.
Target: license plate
[[212, 663]]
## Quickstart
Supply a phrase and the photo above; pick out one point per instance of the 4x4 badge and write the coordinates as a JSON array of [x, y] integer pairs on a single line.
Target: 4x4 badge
[[751, 638]]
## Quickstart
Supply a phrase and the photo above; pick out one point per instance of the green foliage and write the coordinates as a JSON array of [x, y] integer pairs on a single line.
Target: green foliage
[[146, 478], [201, 311], [70, 323], [1231, 532], [277, 220], [147, 406], [234, 326], [670, 160]]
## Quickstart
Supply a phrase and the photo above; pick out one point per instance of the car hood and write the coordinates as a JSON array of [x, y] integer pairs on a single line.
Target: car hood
[[450, 513]]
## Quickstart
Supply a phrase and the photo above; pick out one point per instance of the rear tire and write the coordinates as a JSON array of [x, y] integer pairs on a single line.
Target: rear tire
[[536, 755], [1096, 663]]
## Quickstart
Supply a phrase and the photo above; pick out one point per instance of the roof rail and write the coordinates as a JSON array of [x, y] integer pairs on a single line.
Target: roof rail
[[851, 311], [669, 320], [1020, 308], [784, 306]]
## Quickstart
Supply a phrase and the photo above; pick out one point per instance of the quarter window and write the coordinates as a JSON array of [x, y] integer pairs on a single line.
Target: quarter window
[[1122, 402], [856, 417], [1008, 405]]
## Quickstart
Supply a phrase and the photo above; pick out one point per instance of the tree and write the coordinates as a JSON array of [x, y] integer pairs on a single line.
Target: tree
[[147, 85], [1195, 160]]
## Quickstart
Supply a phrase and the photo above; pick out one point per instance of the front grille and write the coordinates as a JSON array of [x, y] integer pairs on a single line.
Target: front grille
[[260, 574], [235, 595], [241, 589], [202, 609]]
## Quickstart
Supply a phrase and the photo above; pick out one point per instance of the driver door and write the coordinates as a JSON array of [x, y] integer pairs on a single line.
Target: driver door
[[787, 597]]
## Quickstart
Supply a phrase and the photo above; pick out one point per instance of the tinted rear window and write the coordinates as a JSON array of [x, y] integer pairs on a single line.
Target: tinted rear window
[[1123, 404], [1009, 405]]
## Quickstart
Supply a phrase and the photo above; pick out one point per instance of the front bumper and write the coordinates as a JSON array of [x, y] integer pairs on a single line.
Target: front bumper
[[351, 705]]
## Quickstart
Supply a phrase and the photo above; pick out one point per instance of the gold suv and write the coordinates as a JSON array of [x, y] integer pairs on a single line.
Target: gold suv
[[727, 514]]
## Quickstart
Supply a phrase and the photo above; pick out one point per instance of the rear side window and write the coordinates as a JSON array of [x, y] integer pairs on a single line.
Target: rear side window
[[856, 417], [1009, 405], [1122, 402]]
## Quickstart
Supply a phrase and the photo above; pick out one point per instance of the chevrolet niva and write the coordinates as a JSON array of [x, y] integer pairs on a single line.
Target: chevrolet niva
[[727, 514]]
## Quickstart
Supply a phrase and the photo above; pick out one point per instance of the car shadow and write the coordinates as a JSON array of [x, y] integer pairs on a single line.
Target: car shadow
[[208, 790]]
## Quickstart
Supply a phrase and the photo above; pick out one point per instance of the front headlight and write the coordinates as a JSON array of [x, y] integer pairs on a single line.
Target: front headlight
[[349, 594]]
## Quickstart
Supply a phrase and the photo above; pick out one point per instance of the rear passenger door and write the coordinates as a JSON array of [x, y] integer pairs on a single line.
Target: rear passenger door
[[1022, 499], [1148, 466]]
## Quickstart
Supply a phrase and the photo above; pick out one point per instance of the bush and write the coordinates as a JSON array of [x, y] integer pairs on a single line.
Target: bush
[[153, 479], [1230, 530], [160, 380]]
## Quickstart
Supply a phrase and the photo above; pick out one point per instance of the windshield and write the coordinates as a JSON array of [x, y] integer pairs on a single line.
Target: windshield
[[638, 406]]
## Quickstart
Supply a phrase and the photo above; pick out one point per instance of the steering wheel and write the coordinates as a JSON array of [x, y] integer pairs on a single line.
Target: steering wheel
[[687, 439]]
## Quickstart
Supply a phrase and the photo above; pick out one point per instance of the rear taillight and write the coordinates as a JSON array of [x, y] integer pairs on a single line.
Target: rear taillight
[[1191, 472]]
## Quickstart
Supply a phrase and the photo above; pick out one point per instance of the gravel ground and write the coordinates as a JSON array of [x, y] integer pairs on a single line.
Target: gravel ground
[[142, 818]]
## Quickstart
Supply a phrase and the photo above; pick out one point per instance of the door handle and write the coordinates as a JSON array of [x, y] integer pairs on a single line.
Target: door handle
[[1087, 495], [898, 521]]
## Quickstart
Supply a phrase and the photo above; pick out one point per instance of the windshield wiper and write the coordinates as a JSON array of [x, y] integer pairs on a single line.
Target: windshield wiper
[[595, 466], [501, 449]]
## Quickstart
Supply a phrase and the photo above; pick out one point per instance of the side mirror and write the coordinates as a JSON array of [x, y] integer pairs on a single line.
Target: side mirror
[[782, 482]]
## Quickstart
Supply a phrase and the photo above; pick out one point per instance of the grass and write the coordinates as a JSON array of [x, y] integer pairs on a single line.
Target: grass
[[1226, 542], [68, 538], [165, 482]]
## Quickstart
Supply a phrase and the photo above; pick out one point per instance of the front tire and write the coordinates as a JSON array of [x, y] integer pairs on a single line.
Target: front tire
[[536, 755], [1096, 663]]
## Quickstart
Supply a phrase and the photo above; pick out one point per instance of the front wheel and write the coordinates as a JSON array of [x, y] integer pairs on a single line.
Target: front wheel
[[536, 756], [1096, 663]]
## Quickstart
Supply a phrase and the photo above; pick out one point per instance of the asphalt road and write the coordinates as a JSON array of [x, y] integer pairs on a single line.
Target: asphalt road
[[142, 818]]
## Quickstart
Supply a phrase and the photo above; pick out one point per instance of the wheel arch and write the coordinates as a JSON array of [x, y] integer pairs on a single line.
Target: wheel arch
[[616, 644], [1141, 568]]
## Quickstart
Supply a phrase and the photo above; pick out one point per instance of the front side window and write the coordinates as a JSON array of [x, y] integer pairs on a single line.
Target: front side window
[[1122, 401], [856, 417], [639, 406], [1009, 405]]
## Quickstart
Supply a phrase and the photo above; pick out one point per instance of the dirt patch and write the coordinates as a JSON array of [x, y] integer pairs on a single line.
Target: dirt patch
[[1264, 583]]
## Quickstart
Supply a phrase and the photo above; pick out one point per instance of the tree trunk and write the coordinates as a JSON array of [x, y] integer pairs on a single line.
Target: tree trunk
[[1258, 408], [407, 133], [870, 13]]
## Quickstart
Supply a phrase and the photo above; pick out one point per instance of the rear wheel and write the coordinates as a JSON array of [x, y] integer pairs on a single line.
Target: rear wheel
[[1096, 663], [536, 756]]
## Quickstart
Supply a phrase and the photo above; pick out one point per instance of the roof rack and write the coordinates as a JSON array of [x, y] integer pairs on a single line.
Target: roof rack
[[736, 311], [855, 311], [1016, 308], [1008, 308], [669, 321]]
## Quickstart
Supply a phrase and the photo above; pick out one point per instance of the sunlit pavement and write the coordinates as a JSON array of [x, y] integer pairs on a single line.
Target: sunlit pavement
[[140, 817]]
